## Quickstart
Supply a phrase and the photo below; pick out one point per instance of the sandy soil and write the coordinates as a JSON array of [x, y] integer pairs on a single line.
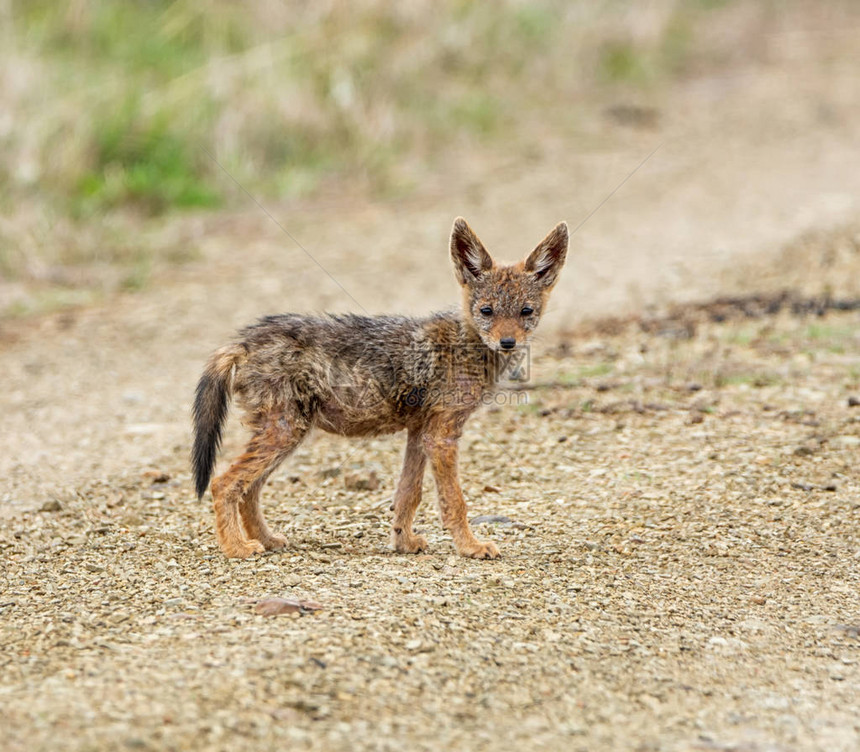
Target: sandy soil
[[680, 572], [680, 563]]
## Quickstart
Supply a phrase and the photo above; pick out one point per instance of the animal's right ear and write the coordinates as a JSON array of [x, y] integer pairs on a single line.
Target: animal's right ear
[[470, 258]]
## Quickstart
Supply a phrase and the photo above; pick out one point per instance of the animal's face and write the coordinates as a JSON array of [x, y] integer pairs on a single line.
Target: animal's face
[[505, 303]]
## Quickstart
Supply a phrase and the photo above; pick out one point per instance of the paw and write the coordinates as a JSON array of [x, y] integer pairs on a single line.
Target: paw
[[242, 549], [478, 550], [274, 542], [408, 543]]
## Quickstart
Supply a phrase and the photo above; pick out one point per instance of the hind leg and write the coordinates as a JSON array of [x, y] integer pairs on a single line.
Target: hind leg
[[253, 520], [236, 493]]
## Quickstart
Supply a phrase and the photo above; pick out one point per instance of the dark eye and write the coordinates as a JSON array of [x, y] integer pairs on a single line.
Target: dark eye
[[527, 311], [487, 311]]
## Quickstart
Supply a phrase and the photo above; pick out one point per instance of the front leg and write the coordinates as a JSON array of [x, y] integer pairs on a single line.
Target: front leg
[[407, 497], [440, 444]]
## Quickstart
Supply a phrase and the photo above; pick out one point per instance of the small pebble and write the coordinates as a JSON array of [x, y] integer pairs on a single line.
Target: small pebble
[[361, 481]]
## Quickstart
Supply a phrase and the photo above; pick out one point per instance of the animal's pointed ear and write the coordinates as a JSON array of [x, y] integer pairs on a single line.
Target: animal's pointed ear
[[545, 261], [470, 258]]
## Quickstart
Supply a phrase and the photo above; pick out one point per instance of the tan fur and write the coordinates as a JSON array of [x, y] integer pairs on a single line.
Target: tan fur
[[356, 376]]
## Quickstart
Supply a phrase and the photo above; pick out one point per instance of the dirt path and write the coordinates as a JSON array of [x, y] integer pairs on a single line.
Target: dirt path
[[678, 573]]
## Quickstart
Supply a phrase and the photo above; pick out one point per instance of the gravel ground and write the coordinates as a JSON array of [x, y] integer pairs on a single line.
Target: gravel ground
[[677, 514]]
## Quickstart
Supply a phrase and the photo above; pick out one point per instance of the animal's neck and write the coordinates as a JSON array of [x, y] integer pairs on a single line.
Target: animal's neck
[[469, 334]]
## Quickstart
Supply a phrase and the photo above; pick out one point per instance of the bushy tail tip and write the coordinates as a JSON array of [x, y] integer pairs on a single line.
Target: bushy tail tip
[[210, 410]]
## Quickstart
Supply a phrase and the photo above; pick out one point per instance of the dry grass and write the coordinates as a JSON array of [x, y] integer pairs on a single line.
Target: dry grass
[[110, 108]]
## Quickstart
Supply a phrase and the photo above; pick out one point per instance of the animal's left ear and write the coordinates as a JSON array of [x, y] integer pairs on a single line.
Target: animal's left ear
[[545, 261]]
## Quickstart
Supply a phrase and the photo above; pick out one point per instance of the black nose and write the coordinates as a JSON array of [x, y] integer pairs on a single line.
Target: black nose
[[507, 343]]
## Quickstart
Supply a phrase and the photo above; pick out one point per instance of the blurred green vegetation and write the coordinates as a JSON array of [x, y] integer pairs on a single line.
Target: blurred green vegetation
[[117, 104], [286, 94]]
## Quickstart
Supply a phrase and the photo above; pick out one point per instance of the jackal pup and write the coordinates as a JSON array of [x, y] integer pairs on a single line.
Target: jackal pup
[[360, 376]]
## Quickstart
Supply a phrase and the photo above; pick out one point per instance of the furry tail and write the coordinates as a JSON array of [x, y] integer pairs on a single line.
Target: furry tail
[[210, 410]]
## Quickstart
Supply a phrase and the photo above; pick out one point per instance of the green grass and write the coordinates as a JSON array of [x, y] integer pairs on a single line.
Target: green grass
[[751, 378], [832, 332], [629, 61], [578, 376], [739, 334], [598, 369], [124, 99], [144, 86], [622, 61], [837, 339], [146, 163]]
